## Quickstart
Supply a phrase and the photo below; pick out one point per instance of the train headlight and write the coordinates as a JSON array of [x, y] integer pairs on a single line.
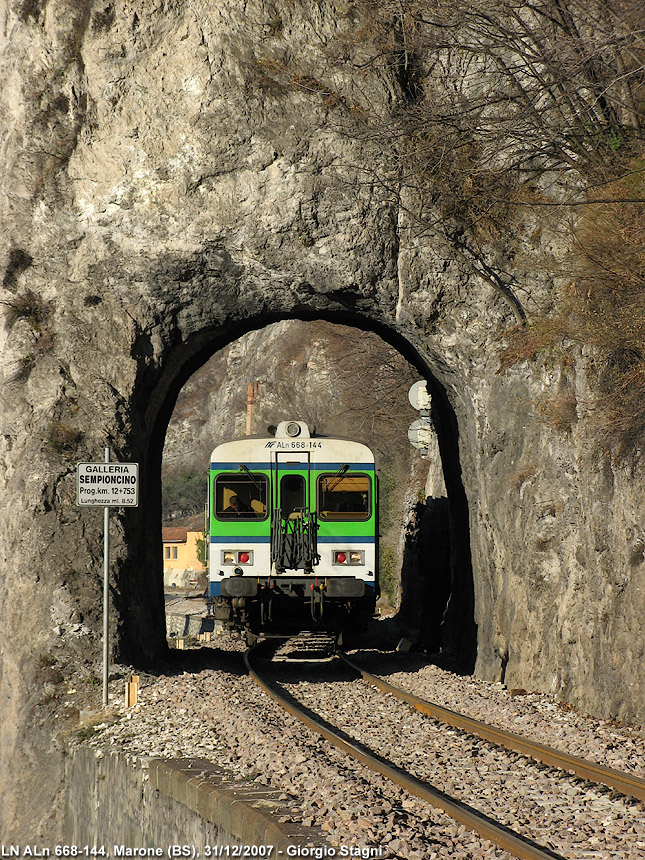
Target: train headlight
[[293, 429], [228, 557], [357, 557]]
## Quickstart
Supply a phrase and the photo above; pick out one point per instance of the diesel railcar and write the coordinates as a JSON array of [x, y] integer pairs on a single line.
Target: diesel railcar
[[293, 522]]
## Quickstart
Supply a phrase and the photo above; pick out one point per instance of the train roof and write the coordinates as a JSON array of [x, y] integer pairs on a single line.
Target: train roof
[[293, 437]]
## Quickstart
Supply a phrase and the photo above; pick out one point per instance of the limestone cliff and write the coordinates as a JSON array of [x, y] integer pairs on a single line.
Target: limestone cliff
[[176, 174]]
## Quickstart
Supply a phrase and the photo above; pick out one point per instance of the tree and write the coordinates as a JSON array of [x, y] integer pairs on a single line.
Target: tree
[[501, 105], [183, 495], [504, 109]]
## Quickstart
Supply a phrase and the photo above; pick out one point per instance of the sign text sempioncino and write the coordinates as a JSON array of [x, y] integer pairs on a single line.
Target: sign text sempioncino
[[110, 484]]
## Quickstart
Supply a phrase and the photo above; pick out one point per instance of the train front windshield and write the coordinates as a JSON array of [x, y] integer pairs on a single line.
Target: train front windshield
[[346, 497], [240, 496]]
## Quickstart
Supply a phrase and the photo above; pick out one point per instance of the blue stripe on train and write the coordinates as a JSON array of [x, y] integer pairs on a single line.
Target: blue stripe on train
[[346, 538], [215, 588], [238, 538], [267, 539], [235, 465], [315, 466]]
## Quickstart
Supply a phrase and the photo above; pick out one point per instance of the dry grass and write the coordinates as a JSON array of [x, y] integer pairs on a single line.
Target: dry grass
[[559, 411], [602, 307], [64, 439], [36, 312], [30, 307], [526, 343], [605, 307]]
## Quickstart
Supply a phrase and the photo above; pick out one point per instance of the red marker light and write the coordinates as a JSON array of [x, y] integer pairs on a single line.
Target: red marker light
[[341, 558], [244, 558]]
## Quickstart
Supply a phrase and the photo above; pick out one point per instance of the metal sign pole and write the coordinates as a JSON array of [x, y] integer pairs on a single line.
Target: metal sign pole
[[103, 485], [106, 616]]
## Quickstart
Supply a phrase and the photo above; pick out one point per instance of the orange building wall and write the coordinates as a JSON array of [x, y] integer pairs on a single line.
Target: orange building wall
[[180, 554]]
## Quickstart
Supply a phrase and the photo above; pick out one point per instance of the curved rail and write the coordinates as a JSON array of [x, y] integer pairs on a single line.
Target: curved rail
[[501, 835], [625, 783]]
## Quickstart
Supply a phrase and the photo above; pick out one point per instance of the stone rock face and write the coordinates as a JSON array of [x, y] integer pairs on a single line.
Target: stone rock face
[[165, 188]]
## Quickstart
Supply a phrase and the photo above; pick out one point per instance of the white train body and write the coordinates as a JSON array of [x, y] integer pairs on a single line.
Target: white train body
[[293, 518]]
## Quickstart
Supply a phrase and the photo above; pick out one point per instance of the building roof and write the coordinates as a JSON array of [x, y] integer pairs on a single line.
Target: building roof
[[174, 534]]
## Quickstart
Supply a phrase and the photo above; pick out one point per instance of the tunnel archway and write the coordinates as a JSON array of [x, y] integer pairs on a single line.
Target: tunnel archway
[[458, 626]]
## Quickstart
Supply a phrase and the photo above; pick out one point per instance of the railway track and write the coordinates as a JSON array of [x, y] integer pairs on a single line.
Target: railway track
[[625, 783], [484, 824]]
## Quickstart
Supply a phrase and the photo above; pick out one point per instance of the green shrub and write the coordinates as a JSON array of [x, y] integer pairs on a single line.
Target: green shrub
[[183, 494], [387, 572]]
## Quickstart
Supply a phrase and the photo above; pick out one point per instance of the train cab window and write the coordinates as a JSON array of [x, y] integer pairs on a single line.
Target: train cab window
[[293, 499], [240, 497], [344, 497]]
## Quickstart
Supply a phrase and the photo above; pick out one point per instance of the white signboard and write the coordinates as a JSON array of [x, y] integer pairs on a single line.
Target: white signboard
[[107, 484]]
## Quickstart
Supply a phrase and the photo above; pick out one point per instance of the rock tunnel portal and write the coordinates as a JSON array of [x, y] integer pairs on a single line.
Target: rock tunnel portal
[[420, 556]]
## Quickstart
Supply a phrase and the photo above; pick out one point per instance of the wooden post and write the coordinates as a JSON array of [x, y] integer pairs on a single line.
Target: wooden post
[[131, 691]]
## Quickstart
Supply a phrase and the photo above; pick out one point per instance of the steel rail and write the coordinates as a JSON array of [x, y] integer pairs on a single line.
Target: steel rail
[[499, 834], [625, 783]]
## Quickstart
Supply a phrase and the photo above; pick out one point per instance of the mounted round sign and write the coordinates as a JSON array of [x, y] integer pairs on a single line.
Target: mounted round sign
[[420, 433], [419, 397]]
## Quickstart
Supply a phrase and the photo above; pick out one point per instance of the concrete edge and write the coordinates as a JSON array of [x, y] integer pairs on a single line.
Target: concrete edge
[[249, 813]]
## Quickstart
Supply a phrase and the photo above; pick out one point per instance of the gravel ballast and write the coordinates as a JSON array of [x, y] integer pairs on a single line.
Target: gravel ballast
[[220, 714]]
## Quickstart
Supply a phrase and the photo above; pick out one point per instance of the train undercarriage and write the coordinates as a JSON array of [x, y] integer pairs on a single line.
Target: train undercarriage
[[290, 604]]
